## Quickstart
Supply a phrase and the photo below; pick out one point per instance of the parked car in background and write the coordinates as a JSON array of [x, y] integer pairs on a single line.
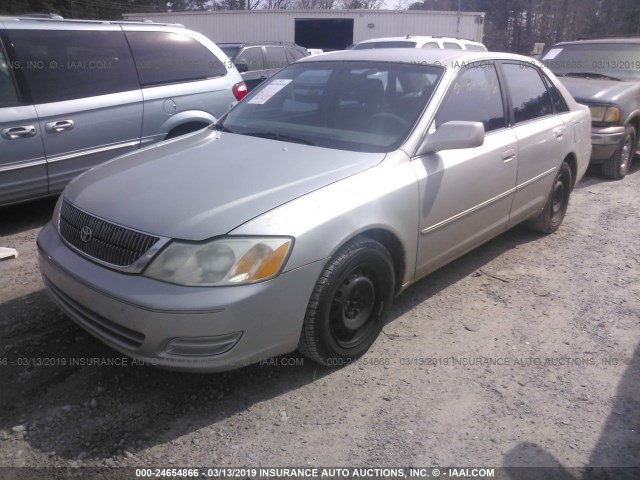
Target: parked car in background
[[604, 74], [296, 218], [258, 61], [75, 93], [415, 41]]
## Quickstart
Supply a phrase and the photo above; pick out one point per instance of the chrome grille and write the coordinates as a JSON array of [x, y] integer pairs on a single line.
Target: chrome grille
[[102, 240]]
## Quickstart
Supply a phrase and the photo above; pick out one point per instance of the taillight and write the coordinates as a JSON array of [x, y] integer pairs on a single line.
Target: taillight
[[239, 90]]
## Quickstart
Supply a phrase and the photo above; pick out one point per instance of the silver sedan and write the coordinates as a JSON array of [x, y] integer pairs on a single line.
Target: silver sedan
[[294, 221]]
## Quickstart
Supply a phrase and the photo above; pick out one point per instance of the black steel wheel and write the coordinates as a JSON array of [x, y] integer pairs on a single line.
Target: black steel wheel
[[616, 167], [347, 309], [553, 213]]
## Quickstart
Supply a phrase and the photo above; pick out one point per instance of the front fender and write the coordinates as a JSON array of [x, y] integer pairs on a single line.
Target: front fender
[[383, 198]]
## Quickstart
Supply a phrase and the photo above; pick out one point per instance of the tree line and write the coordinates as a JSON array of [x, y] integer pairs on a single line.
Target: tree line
[[510, 25]]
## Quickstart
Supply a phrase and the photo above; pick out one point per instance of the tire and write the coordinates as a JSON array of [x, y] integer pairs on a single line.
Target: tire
[[616, 167], [348, 305], [551, 216]]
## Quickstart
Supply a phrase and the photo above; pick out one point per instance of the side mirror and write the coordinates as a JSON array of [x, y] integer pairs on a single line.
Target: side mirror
[[242, 67], [453, 135]]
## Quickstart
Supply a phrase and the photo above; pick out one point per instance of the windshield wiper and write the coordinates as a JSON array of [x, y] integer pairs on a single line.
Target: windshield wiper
[[279, 136], [588, 75]]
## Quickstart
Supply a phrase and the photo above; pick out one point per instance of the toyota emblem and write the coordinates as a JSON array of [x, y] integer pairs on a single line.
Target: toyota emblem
[[85, 234]]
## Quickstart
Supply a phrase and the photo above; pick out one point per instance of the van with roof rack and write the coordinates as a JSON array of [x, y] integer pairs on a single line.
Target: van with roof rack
[[76, 93]]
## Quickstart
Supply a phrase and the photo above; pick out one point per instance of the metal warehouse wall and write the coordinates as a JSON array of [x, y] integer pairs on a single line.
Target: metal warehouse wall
[[255, 25]]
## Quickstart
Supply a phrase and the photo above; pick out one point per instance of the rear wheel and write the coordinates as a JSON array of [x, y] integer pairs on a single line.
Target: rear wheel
[[347, 308], [616, 167], [553, 213]]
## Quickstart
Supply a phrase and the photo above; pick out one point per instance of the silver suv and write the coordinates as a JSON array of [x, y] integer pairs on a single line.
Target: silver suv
[[74, 94]]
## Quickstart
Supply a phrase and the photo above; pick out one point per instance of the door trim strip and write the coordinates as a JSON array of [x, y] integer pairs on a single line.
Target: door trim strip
[[486, 203]]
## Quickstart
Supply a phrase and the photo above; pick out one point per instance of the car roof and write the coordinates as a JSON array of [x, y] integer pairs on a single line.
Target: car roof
[[444, 57], [417, 38], [601, 40]]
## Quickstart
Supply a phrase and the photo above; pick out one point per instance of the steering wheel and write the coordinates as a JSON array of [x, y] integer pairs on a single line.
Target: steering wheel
[[388, 119]]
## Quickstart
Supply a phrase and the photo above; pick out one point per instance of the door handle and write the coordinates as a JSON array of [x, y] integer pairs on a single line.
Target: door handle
[[14, 133], [59, 126], [508, 155], [263, 78]]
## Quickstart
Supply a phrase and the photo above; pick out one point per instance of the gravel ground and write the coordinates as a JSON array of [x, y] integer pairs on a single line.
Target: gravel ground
[[524, 352]]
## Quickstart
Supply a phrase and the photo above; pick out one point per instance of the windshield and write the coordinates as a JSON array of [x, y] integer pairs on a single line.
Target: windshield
[[392, 44], [357, 106], [615, 61]]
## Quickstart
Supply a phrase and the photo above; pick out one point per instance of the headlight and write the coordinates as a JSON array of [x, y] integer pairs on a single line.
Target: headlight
[[604, 113], [226, 261]]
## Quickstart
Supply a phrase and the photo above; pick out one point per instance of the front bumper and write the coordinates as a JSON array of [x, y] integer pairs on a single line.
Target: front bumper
[[203, 329], [605, 140]]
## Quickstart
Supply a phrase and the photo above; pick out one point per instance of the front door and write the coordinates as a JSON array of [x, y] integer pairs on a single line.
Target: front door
[[23, 168], [86, 93], [466, 194]]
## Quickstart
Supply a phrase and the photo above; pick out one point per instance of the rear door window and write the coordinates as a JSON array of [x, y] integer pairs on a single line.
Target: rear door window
[[559, 103], [296, 54], [276, 57], [168, 57], [529, 95], [451, 45], [474, 47], [61, 65], [252, 58]]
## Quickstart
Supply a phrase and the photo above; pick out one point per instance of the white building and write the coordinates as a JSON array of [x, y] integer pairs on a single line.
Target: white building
[[326, 29]]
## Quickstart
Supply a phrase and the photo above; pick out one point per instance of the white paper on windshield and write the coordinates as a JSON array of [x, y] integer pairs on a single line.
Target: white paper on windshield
[[551, 54], [269, 91]]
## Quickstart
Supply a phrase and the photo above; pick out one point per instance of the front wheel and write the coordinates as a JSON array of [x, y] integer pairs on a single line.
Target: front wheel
[[616, 167], [347, 308], [551, 216]]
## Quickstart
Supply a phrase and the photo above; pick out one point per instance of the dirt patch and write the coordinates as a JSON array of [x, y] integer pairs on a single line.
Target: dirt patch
[[522, 353]]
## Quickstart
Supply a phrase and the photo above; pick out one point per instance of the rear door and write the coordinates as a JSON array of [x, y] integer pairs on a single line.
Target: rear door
[[184, 84], [542, 137], [84, 86], [276, 59], [23, 168]]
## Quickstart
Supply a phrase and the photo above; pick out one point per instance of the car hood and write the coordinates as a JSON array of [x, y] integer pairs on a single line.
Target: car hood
[[589, 90], [208, 183]]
